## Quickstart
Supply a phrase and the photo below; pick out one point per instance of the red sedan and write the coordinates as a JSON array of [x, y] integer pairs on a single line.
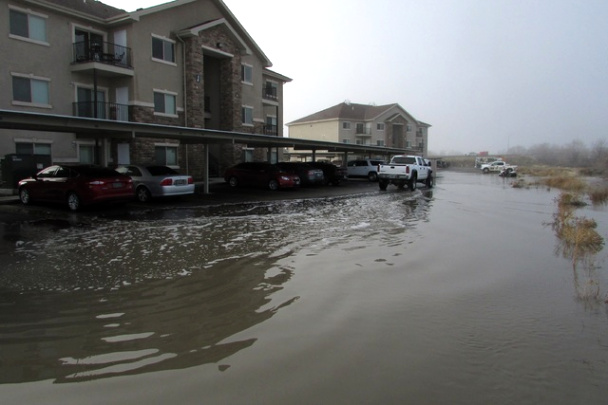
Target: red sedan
[[260, 174], [76, 185]]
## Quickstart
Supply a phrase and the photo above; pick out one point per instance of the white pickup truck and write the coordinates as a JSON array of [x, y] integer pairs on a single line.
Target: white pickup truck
[[498, 166], [405, 170]]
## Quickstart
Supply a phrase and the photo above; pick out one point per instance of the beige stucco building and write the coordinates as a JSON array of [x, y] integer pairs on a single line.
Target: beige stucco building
[[386, 125], [185, 63]]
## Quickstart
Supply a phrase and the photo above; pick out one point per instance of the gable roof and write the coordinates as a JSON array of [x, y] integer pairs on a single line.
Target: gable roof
[[91, 7], [350, 111]]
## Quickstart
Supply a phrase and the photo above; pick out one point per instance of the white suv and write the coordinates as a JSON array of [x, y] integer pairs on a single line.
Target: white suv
[[364, 168]]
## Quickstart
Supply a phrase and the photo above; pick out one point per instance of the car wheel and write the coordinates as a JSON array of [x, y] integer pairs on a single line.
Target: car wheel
[[233, 181], [24, 196], [143, 194], [372, 176], [273, 185], [73, 201], [486, 170], [429, 181], [412, 183]]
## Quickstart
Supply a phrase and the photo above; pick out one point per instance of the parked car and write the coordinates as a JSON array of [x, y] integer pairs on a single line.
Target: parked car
[[157, 181], [76, 185], [364, 168], [309, 176], [260, 174], [332, 173]]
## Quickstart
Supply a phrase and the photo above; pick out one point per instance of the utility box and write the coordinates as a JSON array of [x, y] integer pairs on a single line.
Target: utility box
[[16, 167]]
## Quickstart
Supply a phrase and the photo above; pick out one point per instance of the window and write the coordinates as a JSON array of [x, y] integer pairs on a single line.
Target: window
[[32, 148], [271, 125], [164, 103], [247, 113], [247, 73], [86, 153], [271, 90], [380, 126], [346, 125], [86, 103], [30, 90], [165, 155], [409, 128], [163, 49], [345, 141], [379, 143], [360, 128], [27, 25]]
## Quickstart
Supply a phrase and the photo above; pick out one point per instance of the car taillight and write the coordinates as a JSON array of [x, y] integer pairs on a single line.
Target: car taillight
[[190, 180], [166, 182], [407, 169]]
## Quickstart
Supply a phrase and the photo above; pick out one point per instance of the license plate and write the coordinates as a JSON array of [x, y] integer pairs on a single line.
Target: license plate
[[117, 185], [180, 182]]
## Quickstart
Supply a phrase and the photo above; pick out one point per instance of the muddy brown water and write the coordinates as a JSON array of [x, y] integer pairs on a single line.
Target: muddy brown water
[[457, 295]]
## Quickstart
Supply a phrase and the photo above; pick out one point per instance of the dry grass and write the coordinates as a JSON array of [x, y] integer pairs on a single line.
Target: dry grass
[[599, 195]]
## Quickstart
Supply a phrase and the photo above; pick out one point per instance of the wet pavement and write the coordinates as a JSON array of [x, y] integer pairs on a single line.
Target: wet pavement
[[457, 295]]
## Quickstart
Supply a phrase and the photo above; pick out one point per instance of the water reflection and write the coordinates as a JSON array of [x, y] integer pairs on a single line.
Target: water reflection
[[579, 242], [168, 289], [154, 326]]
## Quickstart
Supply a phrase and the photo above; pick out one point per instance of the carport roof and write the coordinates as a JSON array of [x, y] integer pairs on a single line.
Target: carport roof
[[99, 128]]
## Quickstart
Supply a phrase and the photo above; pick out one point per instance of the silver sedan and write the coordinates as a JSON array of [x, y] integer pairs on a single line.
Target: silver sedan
[[157, 181]]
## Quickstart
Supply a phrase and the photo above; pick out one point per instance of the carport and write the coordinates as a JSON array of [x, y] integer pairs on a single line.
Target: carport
[[99, 129]]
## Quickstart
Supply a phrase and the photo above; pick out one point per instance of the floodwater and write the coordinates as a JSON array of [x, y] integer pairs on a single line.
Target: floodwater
[[459, 294]]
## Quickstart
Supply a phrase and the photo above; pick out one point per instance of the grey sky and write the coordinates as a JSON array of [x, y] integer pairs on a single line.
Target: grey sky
[[486, 74]]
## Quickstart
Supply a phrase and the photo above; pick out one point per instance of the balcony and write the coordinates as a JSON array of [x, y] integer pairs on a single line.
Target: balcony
[[108, 58], [271, 129], [105, 111], [270, 93]]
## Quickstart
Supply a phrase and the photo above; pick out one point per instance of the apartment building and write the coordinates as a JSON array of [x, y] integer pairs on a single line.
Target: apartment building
[[186, 63], [349, 123]]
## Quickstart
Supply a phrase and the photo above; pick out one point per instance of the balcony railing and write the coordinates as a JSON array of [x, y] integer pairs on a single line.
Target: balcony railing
[[270, 93], [105, 111], [271, 129], [105, 52]]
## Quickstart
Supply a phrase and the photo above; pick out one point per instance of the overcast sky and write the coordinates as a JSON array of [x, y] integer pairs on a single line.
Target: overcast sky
[[485, 74]]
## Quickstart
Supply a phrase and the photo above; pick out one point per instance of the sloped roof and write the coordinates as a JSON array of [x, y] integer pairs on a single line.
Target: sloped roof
[[347, 111], [91, 7]]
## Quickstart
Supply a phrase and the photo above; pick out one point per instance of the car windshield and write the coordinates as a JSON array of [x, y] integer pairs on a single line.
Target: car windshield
[[161, 171]]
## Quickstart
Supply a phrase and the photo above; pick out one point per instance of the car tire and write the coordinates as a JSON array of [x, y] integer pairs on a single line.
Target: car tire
[[143, 194], [24, 196], [273, 185], [412, 183], [372, 176], [73, 201], [486, 170], [233, 181], [429, 181]]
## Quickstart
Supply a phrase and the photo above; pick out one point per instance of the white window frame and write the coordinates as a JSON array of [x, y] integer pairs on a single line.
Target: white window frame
[[164, 40], [35, 142], [30, 13], [166, 146], [380, 126], [165, 113], [88, 144], [244, 110], [346, 125], [245, 67], [37, 79]]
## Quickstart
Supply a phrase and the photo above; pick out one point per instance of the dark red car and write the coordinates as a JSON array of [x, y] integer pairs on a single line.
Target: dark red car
[[260, 174], [76, 185]]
